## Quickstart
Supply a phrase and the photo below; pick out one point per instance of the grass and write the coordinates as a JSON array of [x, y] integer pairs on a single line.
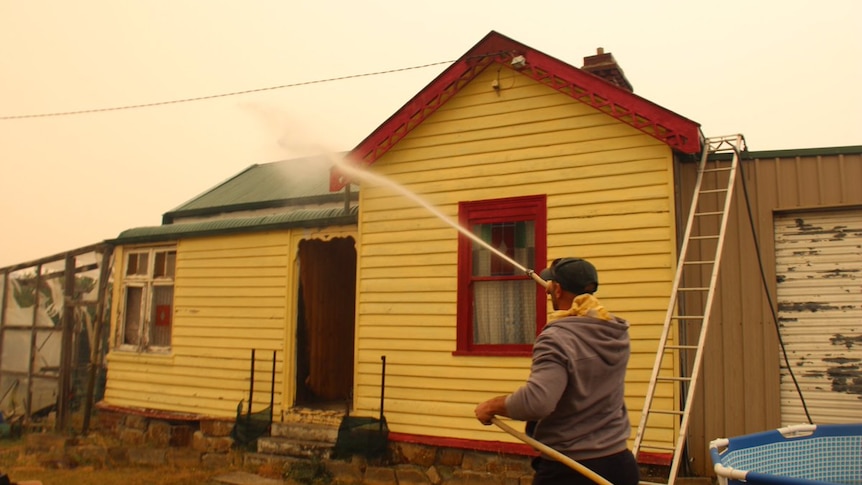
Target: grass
[[20, 466]]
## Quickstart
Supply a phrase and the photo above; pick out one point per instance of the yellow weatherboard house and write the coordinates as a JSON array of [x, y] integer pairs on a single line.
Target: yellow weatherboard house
[[537, 157], [294, 290]]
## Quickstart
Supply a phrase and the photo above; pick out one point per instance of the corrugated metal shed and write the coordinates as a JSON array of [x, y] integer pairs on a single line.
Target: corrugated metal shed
[[740, 391]]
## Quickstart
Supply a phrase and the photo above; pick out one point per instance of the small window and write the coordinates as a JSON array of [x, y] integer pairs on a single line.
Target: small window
[[146, 317], [501, 309], [137, 264], [133, 315], [165, 263]]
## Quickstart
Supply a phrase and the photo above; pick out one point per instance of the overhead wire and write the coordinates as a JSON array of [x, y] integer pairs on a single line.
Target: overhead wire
[[214, 96]]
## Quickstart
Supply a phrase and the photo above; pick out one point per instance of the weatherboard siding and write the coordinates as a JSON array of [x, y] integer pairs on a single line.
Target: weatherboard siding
[[230, 296], [609, 189]]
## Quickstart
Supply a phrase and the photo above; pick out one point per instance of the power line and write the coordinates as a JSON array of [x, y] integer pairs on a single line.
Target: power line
[[213, 96]]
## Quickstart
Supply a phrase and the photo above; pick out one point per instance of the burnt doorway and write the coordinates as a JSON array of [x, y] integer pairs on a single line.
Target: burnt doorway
[[325, 321]]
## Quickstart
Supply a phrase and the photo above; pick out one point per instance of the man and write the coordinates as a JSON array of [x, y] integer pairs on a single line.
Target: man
[[575, 389]]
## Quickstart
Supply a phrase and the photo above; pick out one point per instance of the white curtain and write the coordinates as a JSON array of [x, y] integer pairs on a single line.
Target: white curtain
[[503, 311]]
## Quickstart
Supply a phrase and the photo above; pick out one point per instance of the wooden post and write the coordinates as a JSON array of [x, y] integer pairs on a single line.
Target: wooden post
[[96, 350], [3, 303], [64, 384], [31, 365]]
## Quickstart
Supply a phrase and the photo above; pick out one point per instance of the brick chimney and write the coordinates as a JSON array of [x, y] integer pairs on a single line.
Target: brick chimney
[[604, 66]]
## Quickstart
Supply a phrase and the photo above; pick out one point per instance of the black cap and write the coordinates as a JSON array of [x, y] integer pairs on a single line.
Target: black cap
[[574, 275]]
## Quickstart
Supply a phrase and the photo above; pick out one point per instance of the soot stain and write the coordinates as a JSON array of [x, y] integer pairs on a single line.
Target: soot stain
[[841, 360], [846, 341], [840, 273], [805, 227], [809, 306], [846, 379], [809, 252], [837, 232]]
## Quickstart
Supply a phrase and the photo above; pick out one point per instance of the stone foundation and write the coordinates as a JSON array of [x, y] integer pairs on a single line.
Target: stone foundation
[[131, 439]]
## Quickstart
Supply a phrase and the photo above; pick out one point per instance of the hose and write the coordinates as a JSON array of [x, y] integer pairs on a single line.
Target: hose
[[565, 460]]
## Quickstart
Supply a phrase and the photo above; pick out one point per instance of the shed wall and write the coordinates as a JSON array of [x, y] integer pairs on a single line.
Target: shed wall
[[609, 191], [739, 390]]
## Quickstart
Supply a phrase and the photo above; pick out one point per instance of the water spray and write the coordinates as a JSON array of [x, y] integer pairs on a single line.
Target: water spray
[[346, 168]]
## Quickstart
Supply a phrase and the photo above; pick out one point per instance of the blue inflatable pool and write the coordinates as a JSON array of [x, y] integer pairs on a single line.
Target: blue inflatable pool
[[795, 455]]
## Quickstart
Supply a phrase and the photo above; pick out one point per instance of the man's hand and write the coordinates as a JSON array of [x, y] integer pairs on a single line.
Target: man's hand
[[486, 411]]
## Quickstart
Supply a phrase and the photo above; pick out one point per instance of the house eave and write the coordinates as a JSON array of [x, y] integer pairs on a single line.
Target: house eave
[[170, 217], [209, 228]]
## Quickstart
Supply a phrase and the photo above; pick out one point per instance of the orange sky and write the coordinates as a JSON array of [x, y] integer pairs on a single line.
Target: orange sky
[[783, 73]]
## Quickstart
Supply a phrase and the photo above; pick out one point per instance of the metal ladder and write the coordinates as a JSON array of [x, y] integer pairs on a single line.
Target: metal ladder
[[691, 298]]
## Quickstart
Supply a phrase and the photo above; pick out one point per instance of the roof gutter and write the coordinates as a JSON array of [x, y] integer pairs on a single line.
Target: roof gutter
[[303, 219]]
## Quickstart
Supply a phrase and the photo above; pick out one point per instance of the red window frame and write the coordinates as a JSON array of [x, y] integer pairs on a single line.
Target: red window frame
[[512, 209]]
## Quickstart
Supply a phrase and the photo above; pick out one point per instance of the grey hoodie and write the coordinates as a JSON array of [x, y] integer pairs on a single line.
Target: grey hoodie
[[575, 389]]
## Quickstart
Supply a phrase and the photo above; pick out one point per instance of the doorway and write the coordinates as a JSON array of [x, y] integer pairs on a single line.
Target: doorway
[[325, 322]]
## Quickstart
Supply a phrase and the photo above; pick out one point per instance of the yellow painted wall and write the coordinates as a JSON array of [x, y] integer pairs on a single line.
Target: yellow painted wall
[[609, 189], [231, 294]]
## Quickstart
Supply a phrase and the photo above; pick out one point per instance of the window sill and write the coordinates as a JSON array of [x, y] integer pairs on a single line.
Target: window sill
[[135, 355]]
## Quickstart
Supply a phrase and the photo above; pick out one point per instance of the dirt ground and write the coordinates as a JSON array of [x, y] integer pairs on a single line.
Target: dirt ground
[[21, 467]]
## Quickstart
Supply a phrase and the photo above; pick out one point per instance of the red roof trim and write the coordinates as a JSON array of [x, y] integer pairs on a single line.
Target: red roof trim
[[680, 133]]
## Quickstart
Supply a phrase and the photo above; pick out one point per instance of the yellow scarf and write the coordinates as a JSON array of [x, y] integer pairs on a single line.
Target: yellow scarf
[[585, 305]]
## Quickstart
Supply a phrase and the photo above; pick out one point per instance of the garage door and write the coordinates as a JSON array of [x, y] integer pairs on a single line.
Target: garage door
[[819, 297]]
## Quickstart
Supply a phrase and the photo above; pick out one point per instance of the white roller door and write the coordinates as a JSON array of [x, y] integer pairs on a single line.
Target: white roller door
[[819, 297]]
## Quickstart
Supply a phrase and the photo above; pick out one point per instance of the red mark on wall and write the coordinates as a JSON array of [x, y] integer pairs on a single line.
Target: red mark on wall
[[163, 315]]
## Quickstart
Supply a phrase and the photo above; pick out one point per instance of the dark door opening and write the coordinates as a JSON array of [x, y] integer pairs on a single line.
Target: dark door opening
[[325, 321]]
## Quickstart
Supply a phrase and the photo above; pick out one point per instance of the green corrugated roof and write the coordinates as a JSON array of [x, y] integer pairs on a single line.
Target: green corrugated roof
[[331, 216], [299, 178]]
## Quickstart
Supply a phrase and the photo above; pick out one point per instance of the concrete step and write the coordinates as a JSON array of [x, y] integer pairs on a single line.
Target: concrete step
[[257, 460], [305, 431], [243, 478], [300, 439], [275, 445]]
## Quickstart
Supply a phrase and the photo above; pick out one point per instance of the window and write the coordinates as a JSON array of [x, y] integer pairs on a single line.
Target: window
[[146, 315], [500, 308]]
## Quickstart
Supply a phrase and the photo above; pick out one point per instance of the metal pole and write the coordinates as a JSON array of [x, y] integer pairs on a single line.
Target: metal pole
[[272, 389], [251, 384], [382, 387]]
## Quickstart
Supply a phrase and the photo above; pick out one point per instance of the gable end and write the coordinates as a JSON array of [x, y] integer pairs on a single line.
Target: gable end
[[681, 134]]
